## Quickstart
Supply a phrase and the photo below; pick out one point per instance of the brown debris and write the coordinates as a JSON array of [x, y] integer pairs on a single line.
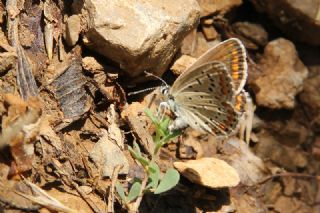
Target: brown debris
[[70, 92], [140, 124], [21, 126]]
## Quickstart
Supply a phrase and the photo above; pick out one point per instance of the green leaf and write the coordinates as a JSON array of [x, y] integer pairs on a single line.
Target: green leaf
[[169, 180], [136, 148], [165, 124], [134, 191], [120, 191], [165, 140], [144, 162], [154, 175], [170, 136], [156, 122], [151, 116]]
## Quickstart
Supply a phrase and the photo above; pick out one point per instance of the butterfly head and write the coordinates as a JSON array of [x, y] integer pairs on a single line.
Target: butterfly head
[[164, 90]]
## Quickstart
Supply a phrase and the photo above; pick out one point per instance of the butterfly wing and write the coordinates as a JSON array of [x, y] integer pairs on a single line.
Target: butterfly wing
[[204, 98], [233, 54]]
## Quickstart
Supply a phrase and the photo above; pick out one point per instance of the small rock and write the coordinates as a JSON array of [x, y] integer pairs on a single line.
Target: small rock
[[73, 29], [209, 172], [310, 97], [139, 35], [255, 33], [282, 77], [209, 7], [92, 65], [108, 155], [182, 63], [208, 29], [298, 19]]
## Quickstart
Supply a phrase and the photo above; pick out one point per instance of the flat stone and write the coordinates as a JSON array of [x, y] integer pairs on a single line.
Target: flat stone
[[139, 35], [209, 172], [282, 75]]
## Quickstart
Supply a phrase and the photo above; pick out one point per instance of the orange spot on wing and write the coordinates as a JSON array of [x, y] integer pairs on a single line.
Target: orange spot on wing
[[240, 102]]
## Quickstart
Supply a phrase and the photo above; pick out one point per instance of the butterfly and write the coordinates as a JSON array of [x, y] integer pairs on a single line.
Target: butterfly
[[209, 95]]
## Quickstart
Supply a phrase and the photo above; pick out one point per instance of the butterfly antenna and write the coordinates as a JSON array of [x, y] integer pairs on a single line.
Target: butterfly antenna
[[151, 88], [157, 77], [141, 91]]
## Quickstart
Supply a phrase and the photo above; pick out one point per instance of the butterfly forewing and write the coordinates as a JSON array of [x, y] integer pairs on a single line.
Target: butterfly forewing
[[204, 98], [233, 54]]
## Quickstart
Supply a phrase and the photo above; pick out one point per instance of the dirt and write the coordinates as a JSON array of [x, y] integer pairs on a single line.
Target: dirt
[[67, 121]]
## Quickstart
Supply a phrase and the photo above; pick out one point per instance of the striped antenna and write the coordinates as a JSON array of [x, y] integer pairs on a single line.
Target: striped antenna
[[151, 88], [157, 77], [141, 91]]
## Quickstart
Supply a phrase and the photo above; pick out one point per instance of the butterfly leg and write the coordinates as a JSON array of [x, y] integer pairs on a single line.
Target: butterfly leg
[[162, 109], [246, 118]]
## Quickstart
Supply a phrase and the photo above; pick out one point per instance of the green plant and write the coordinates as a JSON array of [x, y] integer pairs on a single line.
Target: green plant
[[152, 181]]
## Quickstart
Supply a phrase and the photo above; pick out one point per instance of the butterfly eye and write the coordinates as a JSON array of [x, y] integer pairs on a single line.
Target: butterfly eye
[[164, 90]]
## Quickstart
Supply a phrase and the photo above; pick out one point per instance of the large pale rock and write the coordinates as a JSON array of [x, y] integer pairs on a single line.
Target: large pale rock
[[282, 75], [139, 35], [298, 19], [209, 172]]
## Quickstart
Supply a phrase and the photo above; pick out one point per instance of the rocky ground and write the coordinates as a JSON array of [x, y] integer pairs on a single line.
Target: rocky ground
[[68, 123]]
